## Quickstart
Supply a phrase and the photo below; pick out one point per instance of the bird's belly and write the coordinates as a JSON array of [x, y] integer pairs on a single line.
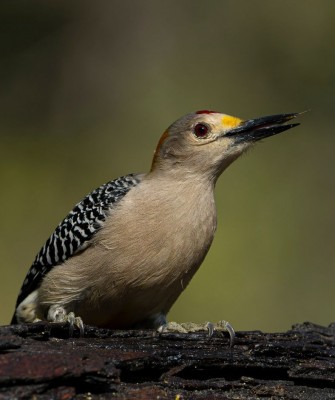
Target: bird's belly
[[140, 289]]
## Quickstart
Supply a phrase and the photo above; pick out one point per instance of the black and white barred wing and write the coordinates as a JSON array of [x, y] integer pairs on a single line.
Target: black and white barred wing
[[75, 231]]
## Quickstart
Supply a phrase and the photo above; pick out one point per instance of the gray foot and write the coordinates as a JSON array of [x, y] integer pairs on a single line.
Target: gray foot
[[58, 313], [190, 327]]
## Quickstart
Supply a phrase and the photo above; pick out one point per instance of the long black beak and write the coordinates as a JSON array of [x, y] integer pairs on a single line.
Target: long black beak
[[260, 128]]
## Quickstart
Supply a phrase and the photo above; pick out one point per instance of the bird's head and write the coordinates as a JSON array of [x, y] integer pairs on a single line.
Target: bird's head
[[206, 142]]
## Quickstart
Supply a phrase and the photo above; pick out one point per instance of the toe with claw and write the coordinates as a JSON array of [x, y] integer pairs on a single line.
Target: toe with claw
[[191, 327], [58, 313]]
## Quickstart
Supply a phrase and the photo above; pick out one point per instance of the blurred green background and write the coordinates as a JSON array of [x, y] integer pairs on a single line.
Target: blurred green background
[[86, 90]]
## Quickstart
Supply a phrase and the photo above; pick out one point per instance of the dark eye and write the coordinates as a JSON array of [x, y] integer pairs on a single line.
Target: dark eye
[[201, 130]]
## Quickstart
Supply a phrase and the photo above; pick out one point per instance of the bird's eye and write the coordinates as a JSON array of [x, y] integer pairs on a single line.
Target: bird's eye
[[201, 130]]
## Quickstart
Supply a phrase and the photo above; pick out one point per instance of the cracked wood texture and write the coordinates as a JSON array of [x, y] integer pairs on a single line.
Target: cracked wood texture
[[40, 361]]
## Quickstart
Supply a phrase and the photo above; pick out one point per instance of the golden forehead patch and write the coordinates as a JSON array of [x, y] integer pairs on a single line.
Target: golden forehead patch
[[231, 122]]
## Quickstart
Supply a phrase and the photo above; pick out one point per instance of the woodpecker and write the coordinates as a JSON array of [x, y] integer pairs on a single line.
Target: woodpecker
[[124, 254]]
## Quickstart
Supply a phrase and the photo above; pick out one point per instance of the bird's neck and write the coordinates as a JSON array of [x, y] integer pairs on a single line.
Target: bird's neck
[[183, 177], [187, 198]]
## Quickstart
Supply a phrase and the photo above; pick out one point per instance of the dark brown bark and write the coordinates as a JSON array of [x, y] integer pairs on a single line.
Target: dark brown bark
[[41, 360]]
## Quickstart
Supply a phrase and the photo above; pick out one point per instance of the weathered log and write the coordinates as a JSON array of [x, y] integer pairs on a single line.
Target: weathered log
[[41, 361]]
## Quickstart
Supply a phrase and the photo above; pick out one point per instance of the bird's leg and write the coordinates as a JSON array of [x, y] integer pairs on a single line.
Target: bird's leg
[[57, 313], [191, 327], [153, 322]]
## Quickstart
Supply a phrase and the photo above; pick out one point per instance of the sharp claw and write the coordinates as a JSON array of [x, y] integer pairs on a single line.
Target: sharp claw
[[227, 327], [210, 328], [75, 321], [232, 335], [79, 323], [71, 320], [161, 329]]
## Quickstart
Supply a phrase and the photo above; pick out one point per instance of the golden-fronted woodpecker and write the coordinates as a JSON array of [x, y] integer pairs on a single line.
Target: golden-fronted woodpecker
[[124, 254]]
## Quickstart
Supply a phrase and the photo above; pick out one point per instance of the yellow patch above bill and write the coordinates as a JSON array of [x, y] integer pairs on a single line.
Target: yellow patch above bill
[[231, 122]]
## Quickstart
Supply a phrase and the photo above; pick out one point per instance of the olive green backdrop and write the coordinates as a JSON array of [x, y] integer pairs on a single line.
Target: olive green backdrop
[[87, 88]]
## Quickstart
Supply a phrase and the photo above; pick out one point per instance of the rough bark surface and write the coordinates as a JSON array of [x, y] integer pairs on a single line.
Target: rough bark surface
[[40, 361]]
